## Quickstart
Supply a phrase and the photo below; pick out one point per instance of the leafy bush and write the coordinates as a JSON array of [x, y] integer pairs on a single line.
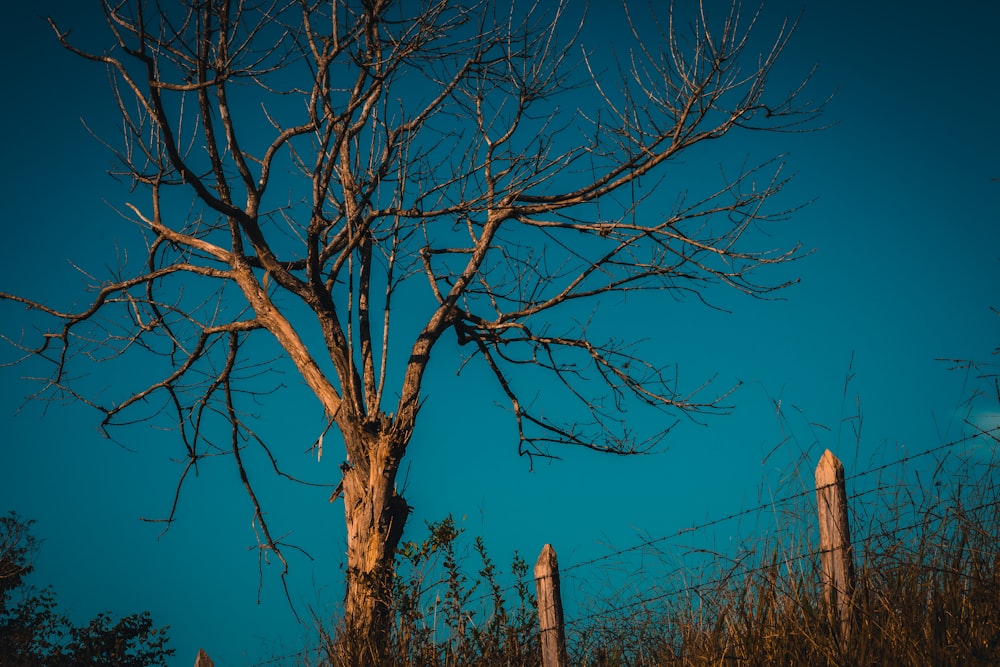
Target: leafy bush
[[444, 615]]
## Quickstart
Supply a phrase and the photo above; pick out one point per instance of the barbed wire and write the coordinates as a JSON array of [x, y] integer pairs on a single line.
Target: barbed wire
[[786, 561], [283, 658], [775, 503]]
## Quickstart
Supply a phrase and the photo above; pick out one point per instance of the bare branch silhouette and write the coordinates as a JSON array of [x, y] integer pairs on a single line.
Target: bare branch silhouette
[[306, 166]]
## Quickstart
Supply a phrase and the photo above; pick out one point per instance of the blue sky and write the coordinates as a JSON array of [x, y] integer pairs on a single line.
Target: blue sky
[[903, 271]]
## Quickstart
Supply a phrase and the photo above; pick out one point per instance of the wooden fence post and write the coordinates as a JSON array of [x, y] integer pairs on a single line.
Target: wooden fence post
[[836, 554], [203, 660], [550, 613]]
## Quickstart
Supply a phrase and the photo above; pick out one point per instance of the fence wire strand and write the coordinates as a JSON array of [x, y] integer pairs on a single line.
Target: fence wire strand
[[779, 502], [787, 561]]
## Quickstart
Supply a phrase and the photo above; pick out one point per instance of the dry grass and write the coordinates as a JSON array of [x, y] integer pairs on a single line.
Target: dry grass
[[928, 593]]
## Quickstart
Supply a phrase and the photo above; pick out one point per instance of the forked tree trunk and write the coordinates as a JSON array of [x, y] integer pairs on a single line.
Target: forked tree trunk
[[375, 515]]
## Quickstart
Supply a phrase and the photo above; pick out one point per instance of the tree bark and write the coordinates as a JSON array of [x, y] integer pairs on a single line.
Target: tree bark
[[375, 514]]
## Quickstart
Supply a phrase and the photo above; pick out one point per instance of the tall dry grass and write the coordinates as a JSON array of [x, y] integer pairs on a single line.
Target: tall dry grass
[[927, 593]]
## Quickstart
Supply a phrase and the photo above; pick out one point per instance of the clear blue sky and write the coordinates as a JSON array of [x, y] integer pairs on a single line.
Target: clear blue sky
[[905, 269]]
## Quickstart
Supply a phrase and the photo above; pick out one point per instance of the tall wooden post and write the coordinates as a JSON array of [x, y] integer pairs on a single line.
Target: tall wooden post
[[550, 613], [836, 554], [203, 660]]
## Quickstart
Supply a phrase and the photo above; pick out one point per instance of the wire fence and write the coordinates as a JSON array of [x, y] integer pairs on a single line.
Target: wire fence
[[878, 524], [883, 526]]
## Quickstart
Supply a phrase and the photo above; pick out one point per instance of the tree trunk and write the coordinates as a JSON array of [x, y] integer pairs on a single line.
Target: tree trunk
[[375, 515]]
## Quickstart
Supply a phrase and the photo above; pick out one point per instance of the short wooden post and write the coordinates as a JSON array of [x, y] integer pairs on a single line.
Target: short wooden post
[[836, 554], [550, 613], [203, 660]]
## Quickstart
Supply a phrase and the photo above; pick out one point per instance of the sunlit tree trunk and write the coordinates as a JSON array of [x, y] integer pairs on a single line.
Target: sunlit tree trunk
[[375, 514]]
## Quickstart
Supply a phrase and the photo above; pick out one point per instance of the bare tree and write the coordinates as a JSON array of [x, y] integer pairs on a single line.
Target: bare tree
[[306, 164]]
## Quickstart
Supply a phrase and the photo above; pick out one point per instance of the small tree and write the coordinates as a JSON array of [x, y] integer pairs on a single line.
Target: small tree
[[309, 164]]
